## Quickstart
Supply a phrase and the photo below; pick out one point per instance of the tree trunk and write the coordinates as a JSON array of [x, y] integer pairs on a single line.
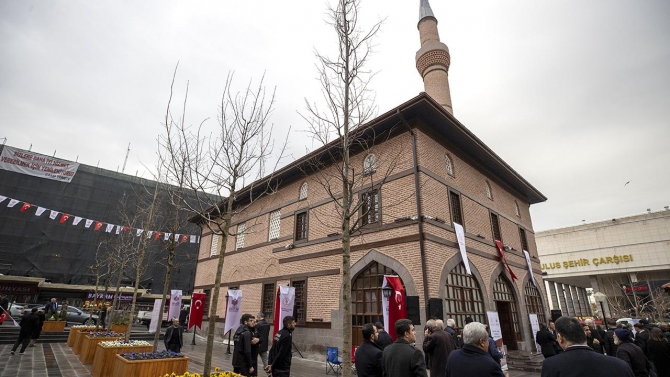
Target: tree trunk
[[166, 287]]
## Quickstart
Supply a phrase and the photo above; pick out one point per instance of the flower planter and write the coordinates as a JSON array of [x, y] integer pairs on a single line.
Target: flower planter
[[104, 358], [53, 326], [148, 368], [119, 328], [76, 332], [89, 346]]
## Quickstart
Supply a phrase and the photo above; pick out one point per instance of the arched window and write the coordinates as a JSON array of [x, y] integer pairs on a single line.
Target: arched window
[[507, 312], [464, 297], [450, 165], [489, 194], [366, 298], [516, 209], [369, 164], [303, 191], [534, 302]]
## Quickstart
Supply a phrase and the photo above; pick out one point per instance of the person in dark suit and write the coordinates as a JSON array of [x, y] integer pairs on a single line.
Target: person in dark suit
[[451, 329], [383, 338], [183, 317], [438, 344], [28, 325], [263, 328], [546, 340], [579, 360], [174, 337], [401, 359], [369, 354], [473, 358], [38, 329], [630, 353], [642, 336]]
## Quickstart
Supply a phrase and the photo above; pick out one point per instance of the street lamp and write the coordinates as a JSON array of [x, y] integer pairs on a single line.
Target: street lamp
[[601, 297], [387, 291]]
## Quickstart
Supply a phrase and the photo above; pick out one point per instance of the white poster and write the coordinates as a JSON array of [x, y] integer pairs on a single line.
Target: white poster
[[37, 165], [175, 304], [155, 321], [535, 327], [530, 268], [460, 236], [287, 301], [233, 310], [494, 325]]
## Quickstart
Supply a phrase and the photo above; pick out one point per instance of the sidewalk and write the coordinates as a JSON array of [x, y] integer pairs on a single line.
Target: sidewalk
[[57, 360]]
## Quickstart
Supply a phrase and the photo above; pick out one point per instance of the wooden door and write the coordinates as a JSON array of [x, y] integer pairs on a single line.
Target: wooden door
[[507, 324]]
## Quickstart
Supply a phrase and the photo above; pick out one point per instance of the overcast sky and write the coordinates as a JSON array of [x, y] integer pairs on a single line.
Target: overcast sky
[[574, 95]]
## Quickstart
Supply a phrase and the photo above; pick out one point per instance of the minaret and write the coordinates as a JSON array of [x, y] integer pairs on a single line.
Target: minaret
[[432, 59]]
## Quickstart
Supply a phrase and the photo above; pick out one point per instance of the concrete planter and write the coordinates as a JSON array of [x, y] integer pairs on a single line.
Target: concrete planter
[[104, 358], [148, 368]]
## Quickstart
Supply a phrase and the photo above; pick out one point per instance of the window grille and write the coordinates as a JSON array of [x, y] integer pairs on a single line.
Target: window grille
[[214, 249], [495, 225], [450, 165], [275, 223], [300, 307], [516, 209], [489, 194], [303, 191], [524, 241], [301, 226], [268, 304], [534, 302], [464, 297], [240, 235], [370, 164], [370, 207], [456, 212]]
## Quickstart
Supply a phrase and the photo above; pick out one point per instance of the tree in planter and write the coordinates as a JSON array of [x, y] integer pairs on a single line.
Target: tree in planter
[[213, 169]]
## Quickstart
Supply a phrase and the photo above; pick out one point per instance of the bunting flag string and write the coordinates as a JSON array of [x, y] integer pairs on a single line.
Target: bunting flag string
[[64, 217]]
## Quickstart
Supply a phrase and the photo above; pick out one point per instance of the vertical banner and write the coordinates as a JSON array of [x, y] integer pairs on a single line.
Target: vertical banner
[[283, 306], [155, 321], [494, 325], [197, 309], [535, 327], [233, 310], [530, 268], [460, 236], [175, 304], [501, 251], [394, 307]]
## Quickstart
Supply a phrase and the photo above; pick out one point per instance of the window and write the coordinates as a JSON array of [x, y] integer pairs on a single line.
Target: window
[[456, 212], [214, 249], [366, 298], [275, 223], [369, 164], [240, 236], [489, 194], [208, 297], [303, 191], [534, 301], [516, 209], [300, 308], [524, 241], [370, 207], [495, 226], [450, 165], [464, 297], [301, 226], [268, 301]]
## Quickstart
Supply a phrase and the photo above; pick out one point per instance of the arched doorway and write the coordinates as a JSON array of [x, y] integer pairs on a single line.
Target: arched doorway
[[534, 302], [366, 303], [463, 297], [506, 306]]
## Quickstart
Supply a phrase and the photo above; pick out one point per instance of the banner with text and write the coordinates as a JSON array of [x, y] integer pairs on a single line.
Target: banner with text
[[530, 267], [283, 306], [155, 321], [535, 327], [460, 236], [394, 307], [233, 310], [175, 304], [37, 165], [494, 326], [197, 309]]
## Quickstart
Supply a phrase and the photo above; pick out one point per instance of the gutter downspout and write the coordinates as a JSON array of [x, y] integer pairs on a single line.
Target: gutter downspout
[[419, 213]]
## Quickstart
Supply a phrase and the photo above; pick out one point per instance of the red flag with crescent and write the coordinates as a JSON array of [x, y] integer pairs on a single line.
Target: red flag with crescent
[[394, 307], [64, 217], [98, 225], [501, 251], [24, 207], [197, 309], [157, 236]]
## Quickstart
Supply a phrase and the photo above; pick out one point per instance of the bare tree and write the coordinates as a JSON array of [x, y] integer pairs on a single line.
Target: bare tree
[[214, 168], [349, 106]]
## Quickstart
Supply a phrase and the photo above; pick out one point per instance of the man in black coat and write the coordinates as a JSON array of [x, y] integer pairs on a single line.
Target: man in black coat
[[630, 353], [369, 354], [451, 324], [279, 360], [473, 358], [263, 328], [438, 344], [242, 357], [642, 336], [28, 325], [383, 338], [174, 337], [546, 340], [578, 359], [183, 317], [401, 359]]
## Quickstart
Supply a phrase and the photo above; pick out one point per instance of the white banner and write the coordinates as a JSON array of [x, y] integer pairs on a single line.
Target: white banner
[[233, 310], [175, 304], [88, 223], [77, 220], [530, 268], [155, 321], [38, 165], [494, 325], [535, 327], [53, 214], [460, 236], [286, 302], [12, 203]]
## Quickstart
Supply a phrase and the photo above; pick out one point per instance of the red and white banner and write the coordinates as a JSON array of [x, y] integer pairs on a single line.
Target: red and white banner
[[394, 307], [197, 309], [175, 304], [460, 237], [37, 165], [283, 306], [501, 251], [233, 310]]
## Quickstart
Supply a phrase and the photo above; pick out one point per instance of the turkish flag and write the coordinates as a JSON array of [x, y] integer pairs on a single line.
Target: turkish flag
[[3, 316], [157, 236], [64, 217], [184, 238], [501, 251], [197, 309], [24, 208], [98, 225], [126, 228], [394, 307]]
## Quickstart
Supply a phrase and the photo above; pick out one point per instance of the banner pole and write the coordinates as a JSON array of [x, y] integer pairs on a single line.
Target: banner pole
[[193, 342], [228, 348]]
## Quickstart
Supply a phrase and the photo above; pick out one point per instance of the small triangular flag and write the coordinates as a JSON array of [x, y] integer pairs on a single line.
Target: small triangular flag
[[64, 217], [2, 198], [98, 225], [149, 233], [77, 220], [53, 215], [25, 206], [157, 236], [139, 231], [192, 238], [167, 235], [126, 228], [184, 238], [109, 228], [88, 223], [12, 203], [40, 211], [118, 229]]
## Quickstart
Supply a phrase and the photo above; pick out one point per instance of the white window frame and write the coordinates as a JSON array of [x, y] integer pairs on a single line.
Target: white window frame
[[214, 247], [241, 229], [489, 192], [304, 191], [275, 225], [450, 165], [369, 164]]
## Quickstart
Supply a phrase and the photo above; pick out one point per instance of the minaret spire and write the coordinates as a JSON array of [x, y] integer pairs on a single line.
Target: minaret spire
[[433, 59]]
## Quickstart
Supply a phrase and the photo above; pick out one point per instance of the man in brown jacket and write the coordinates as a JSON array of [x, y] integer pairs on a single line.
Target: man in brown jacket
[[438, 344]]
